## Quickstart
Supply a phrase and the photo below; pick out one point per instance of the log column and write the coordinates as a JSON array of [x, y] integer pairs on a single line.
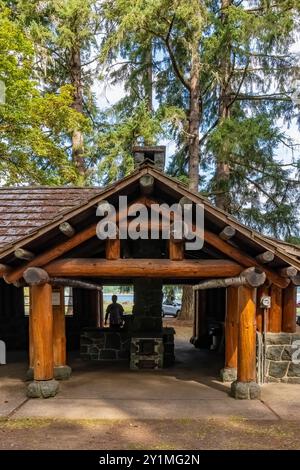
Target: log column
[[275, 313], [246, 387], [61, 369], [44, 385], [229, 373], [289, 309]]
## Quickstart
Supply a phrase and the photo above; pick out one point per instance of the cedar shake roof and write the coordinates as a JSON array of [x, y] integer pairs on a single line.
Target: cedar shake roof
[[23, 210]]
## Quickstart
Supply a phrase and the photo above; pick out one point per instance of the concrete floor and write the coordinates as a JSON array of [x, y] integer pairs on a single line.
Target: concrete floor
[[190, 389]]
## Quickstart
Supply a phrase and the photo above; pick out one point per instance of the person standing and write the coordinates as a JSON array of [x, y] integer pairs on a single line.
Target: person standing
[[115, 313]]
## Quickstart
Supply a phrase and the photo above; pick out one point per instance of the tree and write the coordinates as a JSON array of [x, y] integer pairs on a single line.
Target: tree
[[255, 59], [32, 124], [174, 28], [65, 35]]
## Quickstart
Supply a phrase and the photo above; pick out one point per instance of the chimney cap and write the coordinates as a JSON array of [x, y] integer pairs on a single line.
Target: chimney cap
[[149, 148], [155, 154]]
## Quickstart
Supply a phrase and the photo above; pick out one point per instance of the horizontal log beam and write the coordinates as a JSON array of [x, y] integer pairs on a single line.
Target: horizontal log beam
[[38, 276], [251, 277], [158, 268], [265, 257]]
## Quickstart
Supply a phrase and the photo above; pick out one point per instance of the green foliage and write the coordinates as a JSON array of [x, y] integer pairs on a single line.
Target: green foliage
[[32, 126], [244, 50]]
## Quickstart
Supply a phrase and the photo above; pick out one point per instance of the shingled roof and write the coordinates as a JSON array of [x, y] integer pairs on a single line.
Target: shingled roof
[[25, 209]]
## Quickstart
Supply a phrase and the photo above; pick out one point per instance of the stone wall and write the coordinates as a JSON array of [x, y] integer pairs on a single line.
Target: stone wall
[[282, 357], [104, 344]]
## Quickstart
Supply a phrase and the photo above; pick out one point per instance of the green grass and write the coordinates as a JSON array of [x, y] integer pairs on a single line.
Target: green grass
[[126, 305]]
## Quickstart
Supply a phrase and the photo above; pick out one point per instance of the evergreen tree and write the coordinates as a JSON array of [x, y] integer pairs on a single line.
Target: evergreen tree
[[66, 38], [32, 125], [225, 68]]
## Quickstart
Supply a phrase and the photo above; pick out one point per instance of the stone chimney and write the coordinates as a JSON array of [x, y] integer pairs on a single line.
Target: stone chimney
[[155, 154]]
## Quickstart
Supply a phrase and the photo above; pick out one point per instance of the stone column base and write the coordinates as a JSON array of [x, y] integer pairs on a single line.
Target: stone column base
[[60, 373], [245, 390], [42, 389], [228, 374]]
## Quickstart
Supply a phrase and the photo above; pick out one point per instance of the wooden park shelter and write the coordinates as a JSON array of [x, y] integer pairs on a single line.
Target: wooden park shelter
[[48, 239]]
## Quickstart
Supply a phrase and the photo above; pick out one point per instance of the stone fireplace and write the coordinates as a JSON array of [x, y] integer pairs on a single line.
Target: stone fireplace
[[143, 341]]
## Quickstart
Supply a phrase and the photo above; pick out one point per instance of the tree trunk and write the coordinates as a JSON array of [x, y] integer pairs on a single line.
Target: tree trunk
[[149, 78], [194, 160], [194, 121], [77, 135], [222, 173], [187, 307]]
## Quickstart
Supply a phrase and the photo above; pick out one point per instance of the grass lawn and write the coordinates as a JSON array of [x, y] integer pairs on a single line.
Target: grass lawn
[[232, 433]]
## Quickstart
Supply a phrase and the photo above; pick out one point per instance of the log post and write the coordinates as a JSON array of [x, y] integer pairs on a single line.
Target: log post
[[289, 309], [95, 308], [176, 250], [31, 346], [44, 385], [229, 373], [61, 370], [101, 309], [275, 312], [112, 248], [246, 387]]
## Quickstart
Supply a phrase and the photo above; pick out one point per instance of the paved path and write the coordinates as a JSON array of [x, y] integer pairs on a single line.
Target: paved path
[[113, 392]]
